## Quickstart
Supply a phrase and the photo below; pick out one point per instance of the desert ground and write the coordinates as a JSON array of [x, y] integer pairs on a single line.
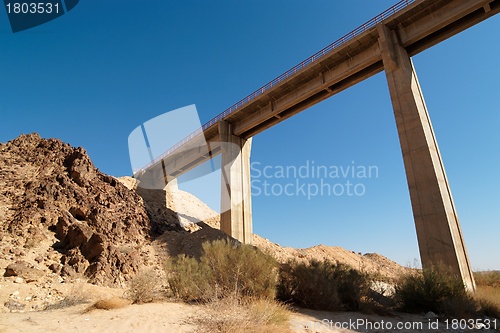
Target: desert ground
[[176, 317]]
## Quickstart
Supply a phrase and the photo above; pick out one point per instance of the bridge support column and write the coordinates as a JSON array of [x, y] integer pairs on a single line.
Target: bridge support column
[[236, 197], [438, 230]]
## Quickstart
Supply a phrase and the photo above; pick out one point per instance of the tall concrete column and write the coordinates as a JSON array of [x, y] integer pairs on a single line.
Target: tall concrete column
[[438, 230], [236, 197]]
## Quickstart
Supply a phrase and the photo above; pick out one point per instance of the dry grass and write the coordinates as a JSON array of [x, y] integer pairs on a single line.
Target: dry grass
[[108, 304], [144, 287], [234, 315], [487, 279], [488, 299], [78, 293], [488, 292]]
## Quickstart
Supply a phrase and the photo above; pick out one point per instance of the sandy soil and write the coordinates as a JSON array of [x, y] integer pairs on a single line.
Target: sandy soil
[[166, 317], [178, 317]]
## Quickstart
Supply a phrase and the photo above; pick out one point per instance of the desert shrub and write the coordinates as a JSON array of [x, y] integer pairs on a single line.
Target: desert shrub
[[433, 289], [322, 285], [487, 279], [240, 269], [187, 279], [144, 287], [488, 307], [488, 300], [225, 269], [487, 293], [237, 315]]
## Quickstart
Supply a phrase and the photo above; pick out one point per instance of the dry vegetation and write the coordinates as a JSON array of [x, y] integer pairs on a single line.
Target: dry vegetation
[[245, 290], [236, 288], [323, 285], [237, 285], [435, 289], [233, 315], [225, 269], [488, 279], [108, 304], [488, 292], [144, 287]]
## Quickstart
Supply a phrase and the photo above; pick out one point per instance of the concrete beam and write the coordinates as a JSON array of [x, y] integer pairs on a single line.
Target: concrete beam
[[438, 230], [342, 75], [419, 26], [152, 179], [236, 197], [443, 22]]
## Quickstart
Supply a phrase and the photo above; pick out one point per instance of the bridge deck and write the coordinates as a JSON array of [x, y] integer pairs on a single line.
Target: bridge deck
[[419, 24]]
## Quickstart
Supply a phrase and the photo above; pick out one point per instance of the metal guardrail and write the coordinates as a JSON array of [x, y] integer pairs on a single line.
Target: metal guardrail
[[292, 71]]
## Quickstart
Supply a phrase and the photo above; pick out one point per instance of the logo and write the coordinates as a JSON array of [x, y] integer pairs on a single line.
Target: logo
[[28, 14], [170, 152]]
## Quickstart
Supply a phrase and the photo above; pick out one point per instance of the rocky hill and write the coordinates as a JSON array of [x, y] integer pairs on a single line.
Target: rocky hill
[[88, 223]]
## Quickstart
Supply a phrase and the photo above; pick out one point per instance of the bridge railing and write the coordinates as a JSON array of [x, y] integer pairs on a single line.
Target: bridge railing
[[292, 71]]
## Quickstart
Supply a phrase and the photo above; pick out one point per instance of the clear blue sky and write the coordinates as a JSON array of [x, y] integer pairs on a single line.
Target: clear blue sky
[[93, 75]]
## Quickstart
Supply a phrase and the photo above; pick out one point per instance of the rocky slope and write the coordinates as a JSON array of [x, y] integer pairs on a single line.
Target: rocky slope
[[89, 223]]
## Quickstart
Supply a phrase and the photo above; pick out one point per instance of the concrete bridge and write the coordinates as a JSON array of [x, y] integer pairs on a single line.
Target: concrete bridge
[[385, 43]]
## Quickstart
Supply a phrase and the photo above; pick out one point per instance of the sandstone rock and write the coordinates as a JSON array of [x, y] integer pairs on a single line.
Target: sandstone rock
[[23, 270], [39, 259]]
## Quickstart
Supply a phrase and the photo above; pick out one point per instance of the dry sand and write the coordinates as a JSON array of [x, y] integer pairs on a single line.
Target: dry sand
[[179, 318]]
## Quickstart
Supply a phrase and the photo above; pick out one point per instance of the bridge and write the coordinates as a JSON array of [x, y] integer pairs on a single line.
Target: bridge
[[385, 43]]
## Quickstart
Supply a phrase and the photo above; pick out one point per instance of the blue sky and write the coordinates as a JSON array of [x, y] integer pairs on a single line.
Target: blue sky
[[93, 75]]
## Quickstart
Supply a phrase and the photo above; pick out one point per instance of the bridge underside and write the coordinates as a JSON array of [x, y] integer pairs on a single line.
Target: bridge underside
[[385, 47]]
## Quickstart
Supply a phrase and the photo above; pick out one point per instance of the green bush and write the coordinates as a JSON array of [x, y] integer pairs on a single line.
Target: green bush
[[225, 269], [322, 285], [433, 289]]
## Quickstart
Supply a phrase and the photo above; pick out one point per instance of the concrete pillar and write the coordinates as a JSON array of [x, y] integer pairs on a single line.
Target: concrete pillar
[[236, 197], [438, 230]]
